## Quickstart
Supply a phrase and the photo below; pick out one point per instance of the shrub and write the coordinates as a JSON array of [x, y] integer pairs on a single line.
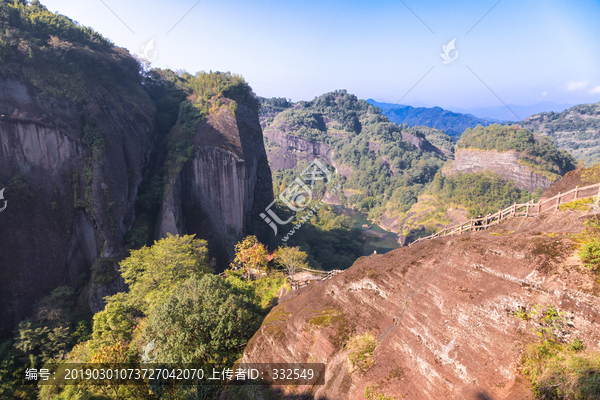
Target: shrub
[[563, 371], [361, 349]]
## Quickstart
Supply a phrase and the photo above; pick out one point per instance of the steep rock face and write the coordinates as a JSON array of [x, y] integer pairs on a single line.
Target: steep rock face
[[442, 312], [505, 164], [421, 143], [290, 149], [222, 190], [67, 205]]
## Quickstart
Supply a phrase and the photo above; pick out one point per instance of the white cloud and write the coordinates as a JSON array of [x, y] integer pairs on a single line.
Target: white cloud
[[572, 85], [544, 93], [595, 90]]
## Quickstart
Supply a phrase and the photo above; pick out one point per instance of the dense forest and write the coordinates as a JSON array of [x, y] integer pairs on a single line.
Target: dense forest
[[576, 130], [388, 172]]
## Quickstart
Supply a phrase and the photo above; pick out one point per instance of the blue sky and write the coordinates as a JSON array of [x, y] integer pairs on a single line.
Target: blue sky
[[519, 53]]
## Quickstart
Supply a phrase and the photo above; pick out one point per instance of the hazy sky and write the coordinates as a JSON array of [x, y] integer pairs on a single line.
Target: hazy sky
[[525, 52]]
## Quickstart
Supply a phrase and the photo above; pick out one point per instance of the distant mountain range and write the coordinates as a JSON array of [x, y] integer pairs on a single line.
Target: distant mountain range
[[456, 120], [503, 114], [435, 117]]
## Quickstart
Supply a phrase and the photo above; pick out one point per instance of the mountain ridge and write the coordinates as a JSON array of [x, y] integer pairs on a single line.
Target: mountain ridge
[[434, 117]]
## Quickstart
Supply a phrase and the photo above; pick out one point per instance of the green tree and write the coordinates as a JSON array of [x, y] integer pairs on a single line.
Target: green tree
[[205, 320], [251, 253], [41, 342], [115, 322], [153, 272], [291, 259]]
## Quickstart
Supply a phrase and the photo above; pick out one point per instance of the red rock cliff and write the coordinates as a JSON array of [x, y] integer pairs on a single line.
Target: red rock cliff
[[505, 164], [442, 312]]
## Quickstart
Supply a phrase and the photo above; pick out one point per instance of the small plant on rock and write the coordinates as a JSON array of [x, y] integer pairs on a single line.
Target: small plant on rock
[[362, 347], [372, 394]]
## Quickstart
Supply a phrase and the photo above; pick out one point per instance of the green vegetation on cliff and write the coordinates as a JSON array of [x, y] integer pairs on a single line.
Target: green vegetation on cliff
[[463, 196], [61, 57], [383, 166], [479, 193], [576, 130], [536, 152]]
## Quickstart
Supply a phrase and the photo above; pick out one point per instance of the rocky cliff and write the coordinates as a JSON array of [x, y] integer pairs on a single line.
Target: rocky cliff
[[70, 195], [285, 151], [221, 191], [442, 313], [505, 164]]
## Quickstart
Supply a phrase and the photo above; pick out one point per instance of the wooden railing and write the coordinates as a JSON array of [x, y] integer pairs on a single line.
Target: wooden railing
[[528, 209], [296, 284]]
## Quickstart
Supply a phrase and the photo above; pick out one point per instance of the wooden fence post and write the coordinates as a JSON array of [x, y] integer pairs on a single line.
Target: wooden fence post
[[557, 202], [576, 191]]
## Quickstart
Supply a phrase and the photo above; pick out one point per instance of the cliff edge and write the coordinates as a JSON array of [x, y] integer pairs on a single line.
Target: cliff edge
[[442, 313], [505, 164]]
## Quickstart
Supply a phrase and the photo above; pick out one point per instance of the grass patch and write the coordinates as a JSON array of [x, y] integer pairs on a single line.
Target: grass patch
[[361, 349], [577, 205], [589, 241], [562, 370], [371, 393], [326, 317]]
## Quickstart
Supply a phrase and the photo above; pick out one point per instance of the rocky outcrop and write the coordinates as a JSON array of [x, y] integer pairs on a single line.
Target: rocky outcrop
[[570, 181], [222, 190], [67, 203], [421, 143], [442, 312], [505, 164], [288, 150]]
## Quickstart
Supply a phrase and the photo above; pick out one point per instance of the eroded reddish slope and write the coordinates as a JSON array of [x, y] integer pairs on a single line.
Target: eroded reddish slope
[[442, 311]]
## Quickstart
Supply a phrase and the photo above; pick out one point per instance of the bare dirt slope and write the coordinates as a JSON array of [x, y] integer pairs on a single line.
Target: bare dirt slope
[[442, 312]]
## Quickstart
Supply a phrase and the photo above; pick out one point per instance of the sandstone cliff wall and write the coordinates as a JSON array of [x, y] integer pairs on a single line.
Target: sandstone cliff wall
[[292, 149], [222, 190], [505, 164], [66, 205]]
